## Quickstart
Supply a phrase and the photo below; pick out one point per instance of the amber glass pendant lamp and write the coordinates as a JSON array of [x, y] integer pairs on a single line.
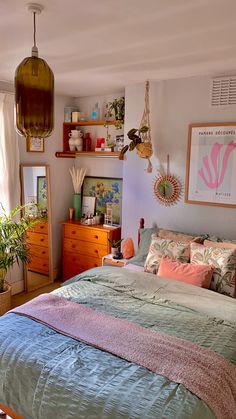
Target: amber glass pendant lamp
[[34, 92]]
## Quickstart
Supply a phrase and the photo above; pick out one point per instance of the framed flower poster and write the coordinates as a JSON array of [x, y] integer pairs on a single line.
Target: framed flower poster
[[106, 191], [211, 164], [42, 191]]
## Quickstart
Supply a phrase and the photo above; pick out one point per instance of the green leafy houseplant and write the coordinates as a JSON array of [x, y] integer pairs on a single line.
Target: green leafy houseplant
[[116, 109], [115, 243], [137, 137], [13, 247], [115, 247]]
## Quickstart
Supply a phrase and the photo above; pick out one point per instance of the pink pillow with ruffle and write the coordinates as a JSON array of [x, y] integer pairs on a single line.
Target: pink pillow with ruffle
[[199, 275]]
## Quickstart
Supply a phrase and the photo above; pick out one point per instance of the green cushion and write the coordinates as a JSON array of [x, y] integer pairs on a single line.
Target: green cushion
[[144, 244]]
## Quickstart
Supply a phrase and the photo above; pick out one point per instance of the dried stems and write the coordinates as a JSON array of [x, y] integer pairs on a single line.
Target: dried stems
[[77, 176]]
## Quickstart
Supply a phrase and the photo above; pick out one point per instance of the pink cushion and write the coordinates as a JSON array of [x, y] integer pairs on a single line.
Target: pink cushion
[[128, 248], [199, 275]]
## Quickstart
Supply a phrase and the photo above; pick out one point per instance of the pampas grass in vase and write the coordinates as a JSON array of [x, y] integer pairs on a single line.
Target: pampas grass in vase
[[77, 176]]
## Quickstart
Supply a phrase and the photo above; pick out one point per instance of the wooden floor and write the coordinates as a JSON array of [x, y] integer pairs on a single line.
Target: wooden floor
[[23, 297]]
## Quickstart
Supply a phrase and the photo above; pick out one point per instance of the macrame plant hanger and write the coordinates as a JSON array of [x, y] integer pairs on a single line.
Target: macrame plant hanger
[[144, 149]]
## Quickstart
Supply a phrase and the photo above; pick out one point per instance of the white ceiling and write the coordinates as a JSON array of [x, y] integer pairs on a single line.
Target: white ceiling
[[100, 46]]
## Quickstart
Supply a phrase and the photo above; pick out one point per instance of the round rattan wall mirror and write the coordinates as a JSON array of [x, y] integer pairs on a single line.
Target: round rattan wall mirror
[[167, 188]]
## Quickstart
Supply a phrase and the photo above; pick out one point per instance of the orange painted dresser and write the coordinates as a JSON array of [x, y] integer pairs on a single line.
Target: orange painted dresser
[[37, 239], [83, 246]]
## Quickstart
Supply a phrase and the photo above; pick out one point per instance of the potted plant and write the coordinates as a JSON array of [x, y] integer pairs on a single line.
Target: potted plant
[[13, 248], [116, 110], [115, 246]]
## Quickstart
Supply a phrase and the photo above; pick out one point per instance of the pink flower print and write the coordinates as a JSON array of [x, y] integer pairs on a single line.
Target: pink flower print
[[214, 154]]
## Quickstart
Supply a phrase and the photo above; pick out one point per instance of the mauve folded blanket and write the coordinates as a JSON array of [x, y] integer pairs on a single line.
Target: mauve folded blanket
[[205, 373]]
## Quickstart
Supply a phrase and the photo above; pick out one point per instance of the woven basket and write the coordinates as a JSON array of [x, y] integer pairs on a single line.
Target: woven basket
[[5, 300]]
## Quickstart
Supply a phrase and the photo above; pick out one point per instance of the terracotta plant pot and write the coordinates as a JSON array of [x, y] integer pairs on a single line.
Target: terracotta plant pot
[[5, 300]]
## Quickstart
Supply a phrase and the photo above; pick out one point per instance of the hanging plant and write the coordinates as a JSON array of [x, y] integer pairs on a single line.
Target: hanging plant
[[116, 110], [139, 141], [141, 138]]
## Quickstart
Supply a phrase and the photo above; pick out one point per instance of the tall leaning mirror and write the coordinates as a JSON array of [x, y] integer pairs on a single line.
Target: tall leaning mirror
[[35, 189]]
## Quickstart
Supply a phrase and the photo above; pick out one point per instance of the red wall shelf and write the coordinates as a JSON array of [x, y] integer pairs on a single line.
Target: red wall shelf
[[66, 153]]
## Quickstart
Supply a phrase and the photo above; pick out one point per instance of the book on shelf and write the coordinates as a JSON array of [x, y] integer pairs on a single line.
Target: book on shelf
[[111, 225], [104, 148]]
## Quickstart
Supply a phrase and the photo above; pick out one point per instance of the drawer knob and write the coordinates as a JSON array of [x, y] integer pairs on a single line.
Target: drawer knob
[[73, 259], [73, 232], [95, 265], [41, 227], [96, 237], [73, 246], [96, 250], [42, 240], [44, 264], [43, 253]]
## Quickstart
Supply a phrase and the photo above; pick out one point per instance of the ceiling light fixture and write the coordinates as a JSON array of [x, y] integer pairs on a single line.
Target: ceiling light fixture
[[34, 92]]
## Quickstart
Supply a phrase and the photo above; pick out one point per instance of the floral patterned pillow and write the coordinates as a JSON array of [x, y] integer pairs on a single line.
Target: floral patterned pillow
[[163, 247], [224, 262]]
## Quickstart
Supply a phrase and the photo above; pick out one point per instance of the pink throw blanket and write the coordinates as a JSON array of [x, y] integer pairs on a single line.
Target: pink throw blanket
[[205, 373]]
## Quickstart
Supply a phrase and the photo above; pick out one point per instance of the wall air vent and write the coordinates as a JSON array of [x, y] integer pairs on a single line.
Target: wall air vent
[[223, 91]]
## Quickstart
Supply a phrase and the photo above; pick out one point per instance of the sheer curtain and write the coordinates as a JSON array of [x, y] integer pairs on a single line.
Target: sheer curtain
[[9, 173], [9, 154]]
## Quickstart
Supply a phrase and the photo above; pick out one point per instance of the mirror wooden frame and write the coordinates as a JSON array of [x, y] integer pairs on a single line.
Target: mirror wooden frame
[[40, 279]]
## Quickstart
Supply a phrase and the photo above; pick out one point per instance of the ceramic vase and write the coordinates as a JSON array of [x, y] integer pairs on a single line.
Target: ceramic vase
[[78, 142], [72, 144], [77, 206]]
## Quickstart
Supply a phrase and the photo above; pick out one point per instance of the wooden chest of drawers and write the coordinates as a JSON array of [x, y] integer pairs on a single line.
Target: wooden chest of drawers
[[37, 239], [84, 246]]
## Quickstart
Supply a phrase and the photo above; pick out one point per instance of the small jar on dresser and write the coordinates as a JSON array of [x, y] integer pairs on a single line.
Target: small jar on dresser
[[83, 246]]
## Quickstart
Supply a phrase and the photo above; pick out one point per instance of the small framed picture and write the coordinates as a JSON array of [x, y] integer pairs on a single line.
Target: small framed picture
[[119, 142], [35, 144], [88, 206]]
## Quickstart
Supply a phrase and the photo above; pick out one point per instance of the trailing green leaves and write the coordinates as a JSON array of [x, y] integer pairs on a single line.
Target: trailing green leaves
[[136, 137]]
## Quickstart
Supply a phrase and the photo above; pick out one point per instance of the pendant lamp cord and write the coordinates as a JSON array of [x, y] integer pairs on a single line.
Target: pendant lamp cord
[[34, 31], [34, 48]]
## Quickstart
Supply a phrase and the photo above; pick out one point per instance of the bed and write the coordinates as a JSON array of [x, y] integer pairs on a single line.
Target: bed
[[45, 374]]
